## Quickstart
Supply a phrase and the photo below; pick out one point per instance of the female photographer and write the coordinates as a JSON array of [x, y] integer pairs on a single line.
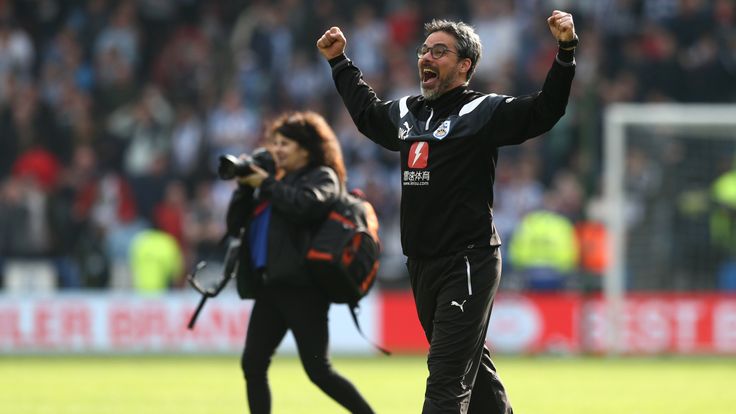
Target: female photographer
[[278, 215]]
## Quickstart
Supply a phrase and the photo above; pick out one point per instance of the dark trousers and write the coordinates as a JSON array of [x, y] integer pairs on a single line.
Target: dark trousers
[[304, 311], [454, 296]]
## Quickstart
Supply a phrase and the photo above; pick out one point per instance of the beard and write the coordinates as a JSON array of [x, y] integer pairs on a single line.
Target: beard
[[444, 85]]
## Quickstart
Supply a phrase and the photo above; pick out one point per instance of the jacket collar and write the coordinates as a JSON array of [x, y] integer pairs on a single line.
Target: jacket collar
[[448, 98]]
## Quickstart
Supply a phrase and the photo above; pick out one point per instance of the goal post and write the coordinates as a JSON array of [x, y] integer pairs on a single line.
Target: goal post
[[700, 121]]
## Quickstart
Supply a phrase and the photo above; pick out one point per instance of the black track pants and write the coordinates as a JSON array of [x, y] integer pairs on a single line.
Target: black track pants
[[304, 311], [454, 296]]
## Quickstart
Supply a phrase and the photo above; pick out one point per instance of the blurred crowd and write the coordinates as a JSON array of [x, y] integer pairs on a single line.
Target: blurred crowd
[[113, 114]]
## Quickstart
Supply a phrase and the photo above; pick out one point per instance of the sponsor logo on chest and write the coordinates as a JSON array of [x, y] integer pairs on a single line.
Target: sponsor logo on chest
[[418, 155], [418, 158], [415, 178]]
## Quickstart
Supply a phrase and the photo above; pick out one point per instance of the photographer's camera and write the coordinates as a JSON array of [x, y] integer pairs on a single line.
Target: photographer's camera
[[231, 166]]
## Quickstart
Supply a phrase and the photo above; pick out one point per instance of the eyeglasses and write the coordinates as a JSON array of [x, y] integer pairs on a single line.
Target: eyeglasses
[[437, 50]]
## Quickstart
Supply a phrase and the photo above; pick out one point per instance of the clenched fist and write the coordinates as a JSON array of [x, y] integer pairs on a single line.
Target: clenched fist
[[332, 43], [561, 25]]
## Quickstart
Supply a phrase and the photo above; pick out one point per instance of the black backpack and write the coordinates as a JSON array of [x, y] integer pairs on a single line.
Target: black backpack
[[343, 257], [344, 251]]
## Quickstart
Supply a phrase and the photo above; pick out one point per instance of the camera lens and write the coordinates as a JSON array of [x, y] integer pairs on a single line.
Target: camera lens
[[231, 167]]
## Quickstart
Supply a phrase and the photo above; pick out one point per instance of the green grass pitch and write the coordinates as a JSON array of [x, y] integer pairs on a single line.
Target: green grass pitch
[[393, 385]]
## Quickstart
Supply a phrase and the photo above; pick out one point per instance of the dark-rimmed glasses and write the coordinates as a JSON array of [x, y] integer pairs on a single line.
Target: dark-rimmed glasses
[[437, 50]]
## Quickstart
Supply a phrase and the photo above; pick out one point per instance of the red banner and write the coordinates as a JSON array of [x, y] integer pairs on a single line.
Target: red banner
[[400, 328], [570, 323], [535, 323], [519, 323]]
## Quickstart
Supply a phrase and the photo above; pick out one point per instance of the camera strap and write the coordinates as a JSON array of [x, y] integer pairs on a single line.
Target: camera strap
[[228, 273]]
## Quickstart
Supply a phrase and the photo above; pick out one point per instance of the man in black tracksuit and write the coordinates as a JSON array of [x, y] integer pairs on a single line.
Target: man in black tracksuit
[[448, 138]]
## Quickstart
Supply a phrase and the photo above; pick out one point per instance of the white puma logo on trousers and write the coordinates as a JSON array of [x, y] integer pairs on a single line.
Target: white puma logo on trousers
[[459, 305]]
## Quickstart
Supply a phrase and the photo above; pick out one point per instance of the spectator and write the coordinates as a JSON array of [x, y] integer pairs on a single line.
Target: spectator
[[204, 227], [27, 123], [23, 219], [187, 141], [16, 49], [231, 127], [156, 262], [368, 40], [723, 227], [121, 35], [144, 126], [544, 249]]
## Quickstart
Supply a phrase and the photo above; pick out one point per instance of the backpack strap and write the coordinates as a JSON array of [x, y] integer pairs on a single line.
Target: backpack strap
[[354, 313]]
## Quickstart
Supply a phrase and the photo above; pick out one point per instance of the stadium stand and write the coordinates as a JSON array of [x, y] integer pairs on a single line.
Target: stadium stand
[[112, 113]]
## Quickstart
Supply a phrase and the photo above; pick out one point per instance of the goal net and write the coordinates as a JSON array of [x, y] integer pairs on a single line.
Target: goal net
[[660, 165]]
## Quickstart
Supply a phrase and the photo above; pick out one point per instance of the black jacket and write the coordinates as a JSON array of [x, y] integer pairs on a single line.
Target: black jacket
[[299, 202], [449, 150]]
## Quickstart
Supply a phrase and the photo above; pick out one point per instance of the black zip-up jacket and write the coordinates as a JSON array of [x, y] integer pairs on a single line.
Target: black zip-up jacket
[[449, 149], [299, 203]]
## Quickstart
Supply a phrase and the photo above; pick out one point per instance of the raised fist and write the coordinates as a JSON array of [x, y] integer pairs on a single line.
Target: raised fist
[[561, 25], [332, 43]]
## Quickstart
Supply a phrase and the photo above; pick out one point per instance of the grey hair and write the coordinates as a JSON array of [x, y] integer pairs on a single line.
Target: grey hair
[[468, 42]]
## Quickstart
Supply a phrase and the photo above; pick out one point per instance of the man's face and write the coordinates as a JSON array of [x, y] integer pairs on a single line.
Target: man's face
[[438, 75]]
